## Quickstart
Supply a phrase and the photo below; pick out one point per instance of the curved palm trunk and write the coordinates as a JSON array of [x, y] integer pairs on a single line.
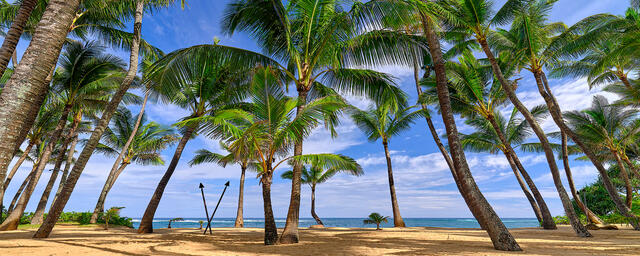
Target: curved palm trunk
[[313, 205], [547, 219], [270, 230], [500, 236], [397, 218], [15, 32], [436, 137], [239, 219], [592, 217], [12, 221], [623, 78], [553, 167], [38, 216], [24, 92], [67, 166], [146, 223], [556, 114], [15, 168], [19, 191], [105, 190], [111, 179], [74, 175], [290, 232], [523, 186], [625, 177]]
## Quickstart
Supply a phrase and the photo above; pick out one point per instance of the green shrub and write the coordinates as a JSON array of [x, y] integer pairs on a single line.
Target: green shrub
[[81, 218]]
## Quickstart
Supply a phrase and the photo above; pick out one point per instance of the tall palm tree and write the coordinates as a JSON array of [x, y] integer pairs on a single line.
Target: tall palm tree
[[320, 43], [608, 129], [476, 18], [205, 79], [86, 75], [144, 149], [244, 160], [271, 131], [475, 95], [383, 123], [316, 175], [131, 9], [533, 37], [25, 91]]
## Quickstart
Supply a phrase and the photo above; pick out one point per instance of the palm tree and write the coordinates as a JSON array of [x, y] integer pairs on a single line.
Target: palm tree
[[25, 91], [475, 95], [608, 129], [376, 218], [385, 122], [112, 212], [534, 38], [320, 44], [205, 156], [172, 220], [86, 76], [133, 43], [15, 31], [206, 79], [144, 149], [271, 131], [316, 175]]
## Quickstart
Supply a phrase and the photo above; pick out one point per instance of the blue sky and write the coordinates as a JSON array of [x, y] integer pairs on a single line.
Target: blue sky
[[423, 183]]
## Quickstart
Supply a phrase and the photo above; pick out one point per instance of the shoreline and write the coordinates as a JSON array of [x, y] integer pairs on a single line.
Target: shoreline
[[76, 240]]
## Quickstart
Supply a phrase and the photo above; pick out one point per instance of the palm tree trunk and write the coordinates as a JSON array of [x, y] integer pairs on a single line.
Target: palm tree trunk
[[15, 168], [67, 166], [631, 166], [313, 205], [146, 223], [547, 219], [239, 219], [38, 216], [111, 179], [592, 217], [500, 236], [397, 218], [580, 230], [24, 92], [93, 141], [290, 232], [556, 114], [15, 32], [623, 78], [14, 59], [523, 186], [19, 191], [12, 221], [270, 230], [108, 184], [625, 177], [436, 137]]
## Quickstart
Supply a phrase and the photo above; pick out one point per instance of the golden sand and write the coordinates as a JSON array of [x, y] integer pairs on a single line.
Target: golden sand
[[74, 240]]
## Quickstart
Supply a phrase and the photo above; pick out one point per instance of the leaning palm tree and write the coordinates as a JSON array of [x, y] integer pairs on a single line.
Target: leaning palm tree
[[533, 38], [432, 16], [206, 79], [316, 175], [86, 75], [320, 43], [383, 123], [19, 21], [205, 156], [174, 220], [144, 149], [608, 129], [271, 131], [376, 218], [128, 9]]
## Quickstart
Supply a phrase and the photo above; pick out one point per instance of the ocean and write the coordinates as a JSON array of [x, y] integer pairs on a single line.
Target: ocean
[[343, 222]]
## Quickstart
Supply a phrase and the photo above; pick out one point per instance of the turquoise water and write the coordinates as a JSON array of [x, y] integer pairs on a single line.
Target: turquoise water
[[343, 222]]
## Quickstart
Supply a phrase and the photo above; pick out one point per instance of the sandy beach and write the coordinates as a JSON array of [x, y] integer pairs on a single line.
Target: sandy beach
[[74, 240]]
